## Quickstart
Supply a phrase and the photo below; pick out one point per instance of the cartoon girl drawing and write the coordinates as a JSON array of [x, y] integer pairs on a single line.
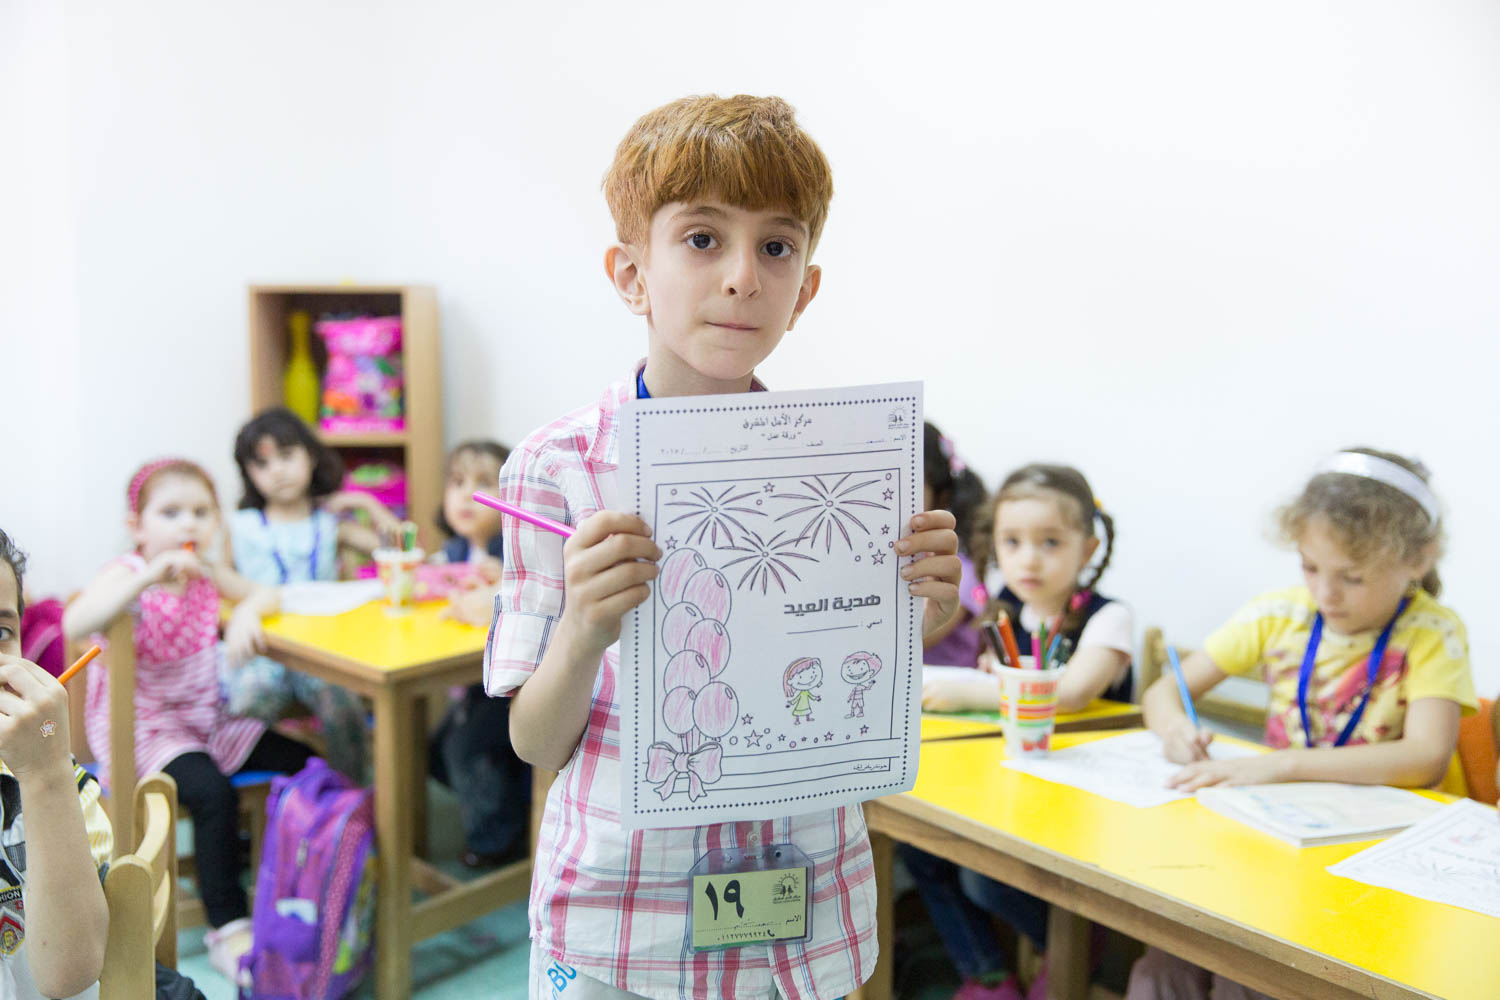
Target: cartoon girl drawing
[[859, 669], [801, 677]]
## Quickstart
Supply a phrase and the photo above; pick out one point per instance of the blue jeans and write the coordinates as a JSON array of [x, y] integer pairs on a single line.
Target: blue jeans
[[960, 902]]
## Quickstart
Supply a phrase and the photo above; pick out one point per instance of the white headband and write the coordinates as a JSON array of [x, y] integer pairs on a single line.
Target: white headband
[[1355, 463]]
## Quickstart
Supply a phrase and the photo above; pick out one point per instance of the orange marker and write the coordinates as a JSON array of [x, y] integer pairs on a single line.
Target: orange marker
[[83, 661], [1008, 635], [190, 546]]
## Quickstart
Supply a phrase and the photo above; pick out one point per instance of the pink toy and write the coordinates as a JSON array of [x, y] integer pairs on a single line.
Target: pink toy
[[362, 386]]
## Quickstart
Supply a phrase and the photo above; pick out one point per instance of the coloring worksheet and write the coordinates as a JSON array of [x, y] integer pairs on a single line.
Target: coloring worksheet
[[1451, 857], [1129, 768], [776, 667]]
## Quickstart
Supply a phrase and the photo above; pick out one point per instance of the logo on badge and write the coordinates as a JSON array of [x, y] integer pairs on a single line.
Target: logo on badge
[[786, 890]]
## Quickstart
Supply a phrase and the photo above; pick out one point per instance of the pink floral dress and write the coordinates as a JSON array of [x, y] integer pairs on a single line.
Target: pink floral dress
[[178, 704]]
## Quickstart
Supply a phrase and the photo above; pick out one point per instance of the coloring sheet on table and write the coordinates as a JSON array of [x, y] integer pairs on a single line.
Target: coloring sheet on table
[[776, 667], [1128, 768], [1451, 857]]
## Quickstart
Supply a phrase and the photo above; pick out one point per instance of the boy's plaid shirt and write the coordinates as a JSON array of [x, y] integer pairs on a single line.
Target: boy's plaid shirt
[[611, 903]]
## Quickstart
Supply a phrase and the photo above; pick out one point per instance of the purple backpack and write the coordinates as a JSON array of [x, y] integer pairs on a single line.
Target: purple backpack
[[315, 892]]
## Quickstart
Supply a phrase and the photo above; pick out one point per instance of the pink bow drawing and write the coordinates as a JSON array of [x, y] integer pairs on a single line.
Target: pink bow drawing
[[664, 764]]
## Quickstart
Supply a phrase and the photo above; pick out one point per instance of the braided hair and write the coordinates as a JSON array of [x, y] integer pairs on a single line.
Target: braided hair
[[1056, 482]]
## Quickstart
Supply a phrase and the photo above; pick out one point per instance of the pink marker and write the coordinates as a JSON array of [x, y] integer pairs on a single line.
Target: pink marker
[[525, 515]]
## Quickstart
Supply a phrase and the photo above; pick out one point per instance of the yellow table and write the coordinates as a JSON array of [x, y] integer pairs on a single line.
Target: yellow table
[[1181, 877], [1098, 714], [398, 662]]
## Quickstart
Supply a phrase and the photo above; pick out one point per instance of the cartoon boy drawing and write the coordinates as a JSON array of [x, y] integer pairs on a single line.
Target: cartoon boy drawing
[[801, 677], [859, 669]]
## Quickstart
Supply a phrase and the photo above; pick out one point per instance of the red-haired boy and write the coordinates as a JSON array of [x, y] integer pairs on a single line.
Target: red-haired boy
[[718, 204]]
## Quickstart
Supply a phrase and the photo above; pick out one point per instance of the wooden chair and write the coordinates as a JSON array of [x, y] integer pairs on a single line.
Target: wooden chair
[[254, 788], [1211, 705], [141, 889]]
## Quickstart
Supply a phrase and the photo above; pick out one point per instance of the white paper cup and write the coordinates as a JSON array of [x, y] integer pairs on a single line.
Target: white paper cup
[[397, 569], [1028, 708]]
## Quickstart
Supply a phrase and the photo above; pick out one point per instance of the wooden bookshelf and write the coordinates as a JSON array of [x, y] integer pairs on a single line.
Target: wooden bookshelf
[[419, 447]]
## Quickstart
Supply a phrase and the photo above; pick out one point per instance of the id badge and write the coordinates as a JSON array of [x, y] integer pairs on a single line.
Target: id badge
[[748, 897]]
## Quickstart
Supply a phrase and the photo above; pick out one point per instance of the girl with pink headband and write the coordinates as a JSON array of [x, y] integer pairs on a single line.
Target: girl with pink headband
[[172, 589]]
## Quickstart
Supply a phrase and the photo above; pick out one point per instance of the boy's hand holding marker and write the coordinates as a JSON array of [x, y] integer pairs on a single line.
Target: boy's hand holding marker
[[608, 566]]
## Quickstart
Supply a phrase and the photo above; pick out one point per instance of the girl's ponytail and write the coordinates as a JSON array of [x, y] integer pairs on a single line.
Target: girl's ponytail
[[1432, 583], [1078, 610]]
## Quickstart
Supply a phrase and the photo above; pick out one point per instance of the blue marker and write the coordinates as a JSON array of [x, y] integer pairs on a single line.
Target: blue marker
[[1182, 688]]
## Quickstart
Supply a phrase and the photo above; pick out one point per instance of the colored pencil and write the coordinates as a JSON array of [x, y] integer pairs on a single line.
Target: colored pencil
[[992, 633], [82, 662], [524, 515], [1052, 648], [1008, 634], [1182, 688]]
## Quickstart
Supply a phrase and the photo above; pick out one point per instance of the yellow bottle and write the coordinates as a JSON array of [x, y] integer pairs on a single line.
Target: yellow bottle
[[302, 391]]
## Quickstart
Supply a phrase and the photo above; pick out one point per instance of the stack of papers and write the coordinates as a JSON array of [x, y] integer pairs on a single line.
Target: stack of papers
[[1309, 813]]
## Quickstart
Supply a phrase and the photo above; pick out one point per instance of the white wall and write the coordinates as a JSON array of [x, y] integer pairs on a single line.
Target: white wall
[[1186, 247]]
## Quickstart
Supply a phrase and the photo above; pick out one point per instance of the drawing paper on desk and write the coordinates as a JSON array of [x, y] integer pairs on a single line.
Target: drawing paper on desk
[[1309, 813], [776, 667], [328, 597], [1451, 857], [1128, 768]]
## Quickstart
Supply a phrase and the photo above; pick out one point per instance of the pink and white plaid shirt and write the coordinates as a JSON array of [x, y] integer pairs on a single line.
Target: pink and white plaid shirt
[[615, 904]]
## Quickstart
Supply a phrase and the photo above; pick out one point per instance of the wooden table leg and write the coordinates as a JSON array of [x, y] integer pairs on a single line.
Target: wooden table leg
[[394, 794], [879, 986], [417, 754], [1067, 955]]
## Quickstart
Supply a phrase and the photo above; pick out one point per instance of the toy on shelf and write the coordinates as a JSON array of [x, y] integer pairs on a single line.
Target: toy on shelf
[[382, 480], [301, 376], [363, 383]]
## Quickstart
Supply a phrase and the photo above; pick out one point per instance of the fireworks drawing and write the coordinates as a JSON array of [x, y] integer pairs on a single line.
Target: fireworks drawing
[[829, 507], [767, 559], [712, 514]]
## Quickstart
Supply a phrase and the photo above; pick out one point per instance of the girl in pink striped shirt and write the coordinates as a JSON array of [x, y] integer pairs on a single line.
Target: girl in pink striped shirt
[[181, 723]]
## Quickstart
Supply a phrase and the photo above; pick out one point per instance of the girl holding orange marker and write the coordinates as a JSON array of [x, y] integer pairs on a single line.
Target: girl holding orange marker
[[182, 725]]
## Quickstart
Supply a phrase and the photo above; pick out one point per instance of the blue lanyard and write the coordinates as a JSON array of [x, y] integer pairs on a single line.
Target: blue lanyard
[[640, 384], [1377, 655], [312, 560]]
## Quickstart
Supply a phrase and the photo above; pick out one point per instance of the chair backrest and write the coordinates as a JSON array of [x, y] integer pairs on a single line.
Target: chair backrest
[[1478, 749], [122, 812], [141, 891]]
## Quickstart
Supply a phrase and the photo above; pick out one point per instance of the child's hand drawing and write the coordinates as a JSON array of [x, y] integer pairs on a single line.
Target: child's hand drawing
[[608, 566], [1261, 769], [698, 708], [1185, 743], [802, 675], [859, 669], [935, 569]]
